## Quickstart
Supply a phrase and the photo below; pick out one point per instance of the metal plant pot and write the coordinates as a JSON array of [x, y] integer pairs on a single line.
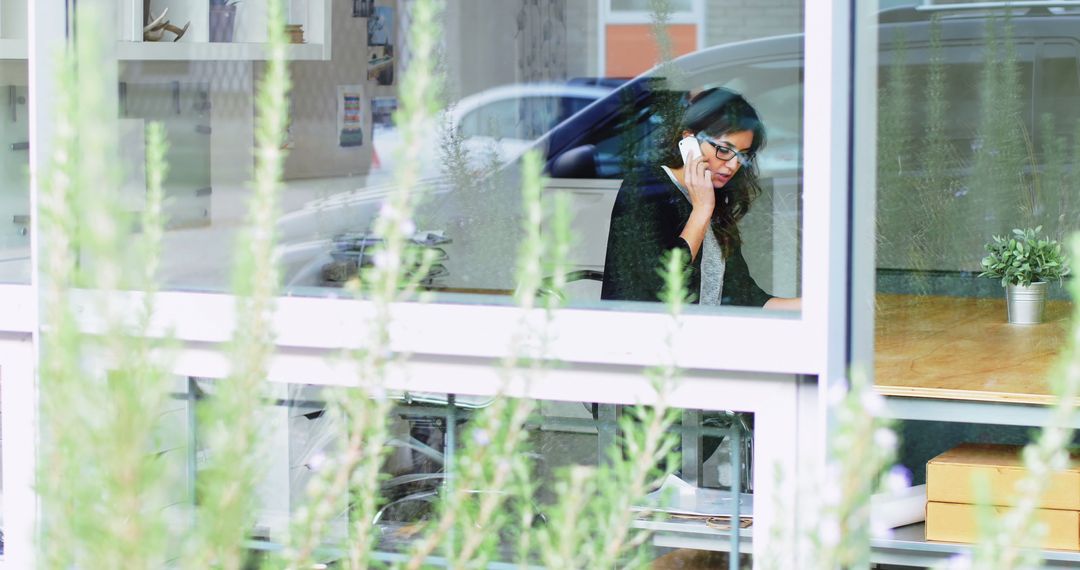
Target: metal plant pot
[[1026, 304]]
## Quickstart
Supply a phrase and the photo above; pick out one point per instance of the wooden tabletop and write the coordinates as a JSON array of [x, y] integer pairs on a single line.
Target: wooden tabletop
[[964, 349]]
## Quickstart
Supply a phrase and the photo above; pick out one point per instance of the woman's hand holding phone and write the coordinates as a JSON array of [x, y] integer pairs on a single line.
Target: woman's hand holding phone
[[698, 182], [697, 177]]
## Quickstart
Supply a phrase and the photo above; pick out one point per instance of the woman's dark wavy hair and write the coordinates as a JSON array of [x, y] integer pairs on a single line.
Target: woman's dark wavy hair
[[718, 112]]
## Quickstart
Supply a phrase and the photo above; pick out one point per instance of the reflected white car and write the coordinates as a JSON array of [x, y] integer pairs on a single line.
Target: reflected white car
[[493, 126]]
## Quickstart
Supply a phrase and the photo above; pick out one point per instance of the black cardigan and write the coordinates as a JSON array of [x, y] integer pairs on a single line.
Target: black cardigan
[[648, 216]]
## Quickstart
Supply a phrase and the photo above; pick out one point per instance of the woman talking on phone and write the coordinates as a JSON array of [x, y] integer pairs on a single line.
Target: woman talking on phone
[[693, 203]]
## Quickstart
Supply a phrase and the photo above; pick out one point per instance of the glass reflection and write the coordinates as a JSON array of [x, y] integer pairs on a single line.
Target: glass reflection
[[430, 433], [560, 85], [978, 134], [14, 174]]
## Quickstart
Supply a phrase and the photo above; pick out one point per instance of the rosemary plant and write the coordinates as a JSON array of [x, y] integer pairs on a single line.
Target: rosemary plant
[[1055, 180], [353, 473], [893, 143], [998, 176], [473, 515], [669, 104], [102, 487], [591, 524], [861, 449], [936, 186], [834, 528], [226, 485]]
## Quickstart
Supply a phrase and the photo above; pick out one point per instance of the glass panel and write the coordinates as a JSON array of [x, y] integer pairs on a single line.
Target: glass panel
[[14, 174], [978, 135], [184, 111], [428, 432], [544, 88]]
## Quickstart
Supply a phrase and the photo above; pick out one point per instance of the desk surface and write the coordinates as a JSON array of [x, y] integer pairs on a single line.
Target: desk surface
[[962, 348]]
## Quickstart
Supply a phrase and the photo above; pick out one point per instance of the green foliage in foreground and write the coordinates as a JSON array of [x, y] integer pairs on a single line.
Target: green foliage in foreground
[[102, 490]]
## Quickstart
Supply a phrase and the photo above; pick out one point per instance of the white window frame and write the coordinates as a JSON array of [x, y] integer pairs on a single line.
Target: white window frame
[[613, 16], [741, 360]]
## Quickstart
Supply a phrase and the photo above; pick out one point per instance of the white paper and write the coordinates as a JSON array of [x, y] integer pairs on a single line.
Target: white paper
[[890, 510], [678, 497]]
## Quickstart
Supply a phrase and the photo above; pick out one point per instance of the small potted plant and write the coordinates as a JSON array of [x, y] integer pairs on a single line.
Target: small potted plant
[[1024, 262]]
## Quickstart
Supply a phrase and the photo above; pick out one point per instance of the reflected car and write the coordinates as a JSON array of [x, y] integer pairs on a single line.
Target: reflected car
[[495, 125]]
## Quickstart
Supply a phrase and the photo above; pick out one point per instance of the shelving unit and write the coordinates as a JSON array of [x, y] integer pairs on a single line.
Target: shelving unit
[[249, 34], [908, 547], [205, 51]]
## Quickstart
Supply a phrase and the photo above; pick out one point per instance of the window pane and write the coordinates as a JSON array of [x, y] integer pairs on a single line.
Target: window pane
[[543, 88], [977, 136], [14, 174], [427, 432]]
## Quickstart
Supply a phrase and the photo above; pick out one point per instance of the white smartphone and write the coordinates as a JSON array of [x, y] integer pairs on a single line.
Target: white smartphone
[[689, 147]]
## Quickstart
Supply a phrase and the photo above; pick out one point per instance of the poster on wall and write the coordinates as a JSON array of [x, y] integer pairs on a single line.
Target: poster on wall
[[350, 125], [380, 26], [362, 8], [381, 64]]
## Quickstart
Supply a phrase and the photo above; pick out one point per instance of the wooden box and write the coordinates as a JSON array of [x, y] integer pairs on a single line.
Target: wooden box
[[949, 522], [951, 476]]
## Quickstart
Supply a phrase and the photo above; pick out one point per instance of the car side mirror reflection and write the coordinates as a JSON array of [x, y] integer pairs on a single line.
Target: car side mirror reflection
[[578, 162]]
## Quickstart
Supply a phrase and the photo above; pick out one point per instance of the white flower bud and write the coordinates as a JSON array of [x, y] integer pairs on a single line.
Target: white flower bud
[[829, 531], [1059, 461], [481, 437], [873, 403], [878, 529], [885, 438], [838, 390], [898, 479], [381, 259], [316, 462], [831, 493], [960, 561]]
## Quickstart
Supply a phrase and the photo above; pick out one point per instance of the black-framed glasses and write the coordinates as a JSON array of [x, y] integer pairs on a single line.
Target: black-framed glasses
[[725, 152]]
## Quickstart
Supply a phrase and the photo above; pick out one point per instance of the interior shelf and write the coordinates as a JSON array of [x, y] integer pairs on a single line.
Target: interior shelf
[[244, 39], [169, 51], [204, 51], [909, 546]]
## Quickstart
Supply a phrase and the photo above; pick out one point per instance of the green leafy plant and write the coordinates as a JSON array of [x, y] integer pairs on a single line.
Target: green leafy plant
[[1024, 258]]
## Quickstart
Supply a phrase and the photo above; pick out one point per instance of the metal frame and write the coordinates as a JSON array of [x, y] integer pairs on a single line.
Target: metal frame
[[971, 412]]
